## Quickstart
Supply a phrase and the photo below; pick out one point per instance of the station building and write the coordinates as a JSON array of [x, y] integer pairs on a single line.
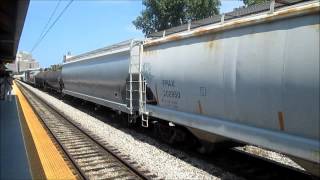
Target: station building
[[23, 62]]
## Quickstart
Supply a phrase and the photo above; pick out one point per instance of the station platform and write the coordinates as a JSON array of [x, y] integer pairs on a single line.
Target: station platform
[[13, 156], [27, 151]]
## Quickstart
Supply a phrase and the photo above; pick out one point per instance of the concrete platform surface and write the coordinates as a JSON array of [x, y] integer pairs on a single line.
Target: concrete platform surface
[[13, 156]]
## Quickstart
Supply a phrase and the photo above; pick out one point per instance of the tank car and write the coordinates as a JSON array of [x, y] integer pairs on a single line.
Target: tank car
[[254, 80], [53, 80], [39, 79], [49, 79]]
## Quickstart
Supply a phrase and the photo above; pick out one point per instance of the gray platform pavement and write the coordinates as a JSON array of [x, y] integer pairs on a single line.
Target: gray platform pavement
[[13, 157]]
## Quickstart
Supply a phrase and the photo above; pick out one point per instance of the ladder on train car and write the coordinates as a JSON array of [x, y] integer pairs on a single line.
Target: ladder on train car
[[143, 99], [136, 86]]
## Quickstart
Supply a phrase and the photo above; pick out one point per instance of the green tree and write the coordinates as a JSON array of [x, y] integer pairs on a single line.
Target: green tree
[[252, 2], [163, 14]]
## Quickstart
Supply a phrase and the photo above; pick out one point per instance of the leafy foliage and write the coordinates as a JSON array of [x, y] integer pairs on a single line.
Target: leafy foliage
[[163, 14]]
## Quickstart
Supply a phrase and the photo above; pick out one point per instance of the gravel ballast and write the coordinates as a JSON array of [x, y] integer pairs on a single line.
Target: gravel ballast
[[270, 155]]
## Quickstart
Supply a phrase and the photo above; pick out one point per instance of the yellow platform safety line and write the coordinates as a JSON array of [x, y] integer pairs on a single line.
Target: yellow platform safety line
[[51, 161]]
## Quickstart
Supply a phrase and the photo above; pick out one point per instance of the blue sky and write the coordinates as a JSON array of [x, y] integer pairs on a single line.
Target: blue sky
[[85, 26]]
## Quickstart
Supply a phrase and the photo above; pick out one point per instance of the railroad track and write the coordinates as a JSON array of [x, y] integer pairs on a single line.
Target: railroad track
[[90, 158]]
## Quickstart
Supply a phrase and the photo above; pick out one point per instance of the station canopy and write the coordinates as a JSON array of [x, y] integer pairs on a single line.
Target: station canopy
[[12, 17]]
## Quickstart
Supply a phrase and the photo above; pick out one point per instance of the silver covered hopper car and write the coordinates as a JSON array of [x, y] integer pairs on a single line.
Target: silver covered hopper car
[[103, 76], [253, 79]]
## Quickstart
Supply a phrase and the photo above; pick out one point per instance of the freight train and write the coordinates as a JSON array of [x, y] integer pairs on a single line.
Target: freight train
[[252, 79]]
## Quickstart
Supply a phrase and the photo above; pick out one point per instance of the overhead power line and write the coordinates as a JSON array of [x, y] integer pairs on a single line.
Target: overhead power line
[[49, 20], [51, 26]]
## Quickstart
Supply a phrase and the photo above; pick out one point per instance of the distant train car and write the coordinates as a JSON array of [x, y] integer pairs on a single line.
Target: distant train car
[[49, 80], [22, 76], [53, 80], [40, 79], [101, 76], [19, 77], [30, 75]]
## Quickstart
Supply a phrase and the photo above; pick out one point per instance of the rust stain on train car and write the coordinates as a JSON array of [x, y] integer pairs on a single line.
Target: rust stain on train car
[[212, 42], [317, 27], [200, 110], [281, 120], [157, 96], [175, 37], [149, 52]]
